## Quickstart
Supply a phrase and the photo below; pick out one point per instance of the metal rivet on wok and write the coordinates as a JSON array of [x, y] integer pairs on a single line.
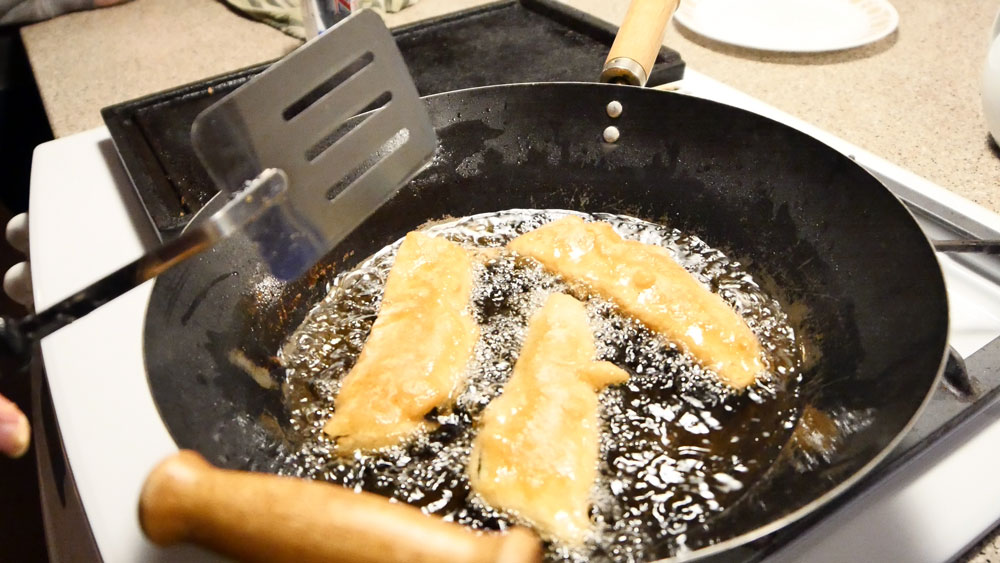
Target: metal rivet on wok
[[614, 109], [611, 134]]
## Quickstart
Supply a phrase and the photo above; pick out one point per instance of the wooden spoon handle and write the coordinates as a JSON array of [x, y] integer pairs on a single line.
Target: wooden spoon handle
[[260, 517], [638, 42]]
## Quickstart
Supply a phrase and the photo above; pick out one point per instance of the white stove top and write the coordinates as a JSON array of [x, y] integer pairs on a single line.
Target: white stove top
[[85, 221]]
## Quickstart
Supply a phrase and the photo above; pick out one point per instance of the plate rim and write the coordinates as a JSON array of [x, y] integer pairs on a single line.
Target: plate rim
[[682, 17]]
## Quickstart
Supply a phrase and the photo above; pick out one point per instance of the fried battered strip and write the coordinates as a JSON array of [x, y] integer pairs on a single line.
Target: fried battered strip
[[415, 357], [537, 447], [646, 283]]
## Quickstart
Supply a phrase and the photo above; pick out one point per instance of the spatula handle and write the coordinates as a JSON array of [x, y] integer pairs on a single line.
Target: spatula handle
[[638, 42], [259, 517]]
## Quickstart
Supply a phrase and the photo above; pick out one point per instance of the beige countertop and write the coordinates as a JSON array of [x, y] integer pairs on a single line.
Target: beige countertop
[[911, 98]]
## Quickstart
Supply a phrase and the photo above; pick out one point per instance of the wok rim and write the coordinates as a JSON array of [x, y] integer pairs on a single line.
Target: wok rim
[[776, 524]]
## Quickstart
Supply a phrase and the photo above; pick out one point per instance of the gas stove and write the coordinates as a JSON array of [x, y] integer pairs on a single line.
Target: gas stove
[[932, 499], [935, 496]]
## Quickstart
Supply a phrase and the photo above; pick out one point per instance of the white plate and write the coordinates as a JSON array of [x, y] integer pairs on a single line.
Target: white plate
[[797, 26]]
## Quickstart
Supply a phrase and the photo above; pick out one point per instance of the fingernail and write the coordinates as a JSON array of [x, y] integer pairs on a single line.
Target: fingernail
[[15, 432]]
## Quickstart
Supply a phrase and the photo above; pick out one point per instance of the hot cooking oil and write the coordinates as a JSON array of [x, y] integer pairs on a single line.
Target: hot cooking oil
[[677, 447]]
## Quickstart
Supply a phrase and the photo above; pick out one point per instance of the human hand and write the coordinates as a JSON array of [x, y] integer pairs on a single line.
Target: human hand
[[15, 432]]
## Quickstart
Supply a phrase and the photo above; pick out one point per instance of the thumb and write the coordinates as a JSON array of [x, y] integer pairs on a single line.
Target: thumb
[[15, 433]]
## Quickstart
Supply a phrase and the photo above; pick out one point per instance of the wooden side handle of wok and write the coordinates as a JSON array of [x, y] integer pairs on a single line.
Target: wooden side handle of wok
[[638, 42], [259, 517]]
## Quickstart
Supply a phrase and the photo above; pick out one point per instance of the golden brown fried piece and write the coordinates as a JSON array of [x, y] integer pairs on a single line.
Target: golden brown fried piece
[[646, 283], [537, 447], [416, 355]]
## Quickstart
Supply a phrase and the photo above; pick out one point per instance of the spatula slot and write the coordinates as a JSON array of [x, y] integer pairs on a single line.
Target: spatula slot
[[328, 85], [397, 140], [339, 133]]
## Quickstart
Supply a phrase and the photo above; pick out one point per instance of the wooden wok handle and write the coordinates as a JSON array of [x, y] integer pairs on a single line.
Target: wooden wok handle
[[638, 42], [259, 517]]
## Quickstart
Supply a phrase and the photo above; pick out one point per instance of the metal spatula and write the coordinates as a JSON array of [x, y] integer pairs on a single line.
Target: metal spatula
[[291, 117], [299, 174]]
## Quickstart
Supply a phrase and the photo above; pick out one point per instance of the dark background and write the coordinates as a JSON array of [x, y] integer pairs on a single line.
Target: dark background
[[22, 126]]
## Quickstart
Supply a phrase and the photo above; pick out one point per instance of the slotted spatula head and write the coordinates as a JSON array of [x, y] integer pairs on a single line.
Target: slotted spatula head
[[294, 117]]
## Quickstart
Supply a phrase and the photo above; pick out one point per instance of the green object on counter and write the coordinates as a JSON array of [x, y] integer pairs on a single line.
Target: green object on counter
[[28, 11], [285, 15], [389, 6]]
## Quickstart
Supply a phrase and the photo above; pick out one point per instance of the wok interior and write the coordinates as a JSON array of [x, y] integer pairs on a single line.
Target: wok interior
[[835, 247]]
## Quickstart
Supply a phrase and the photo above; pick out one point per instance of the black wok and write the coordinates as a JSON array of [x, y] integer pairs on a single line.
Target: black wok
[[825, 237]]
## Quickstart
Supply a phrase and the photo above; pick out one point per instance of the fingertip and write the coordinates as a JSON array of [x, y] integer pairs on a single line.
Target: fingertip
[[15, 431]]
